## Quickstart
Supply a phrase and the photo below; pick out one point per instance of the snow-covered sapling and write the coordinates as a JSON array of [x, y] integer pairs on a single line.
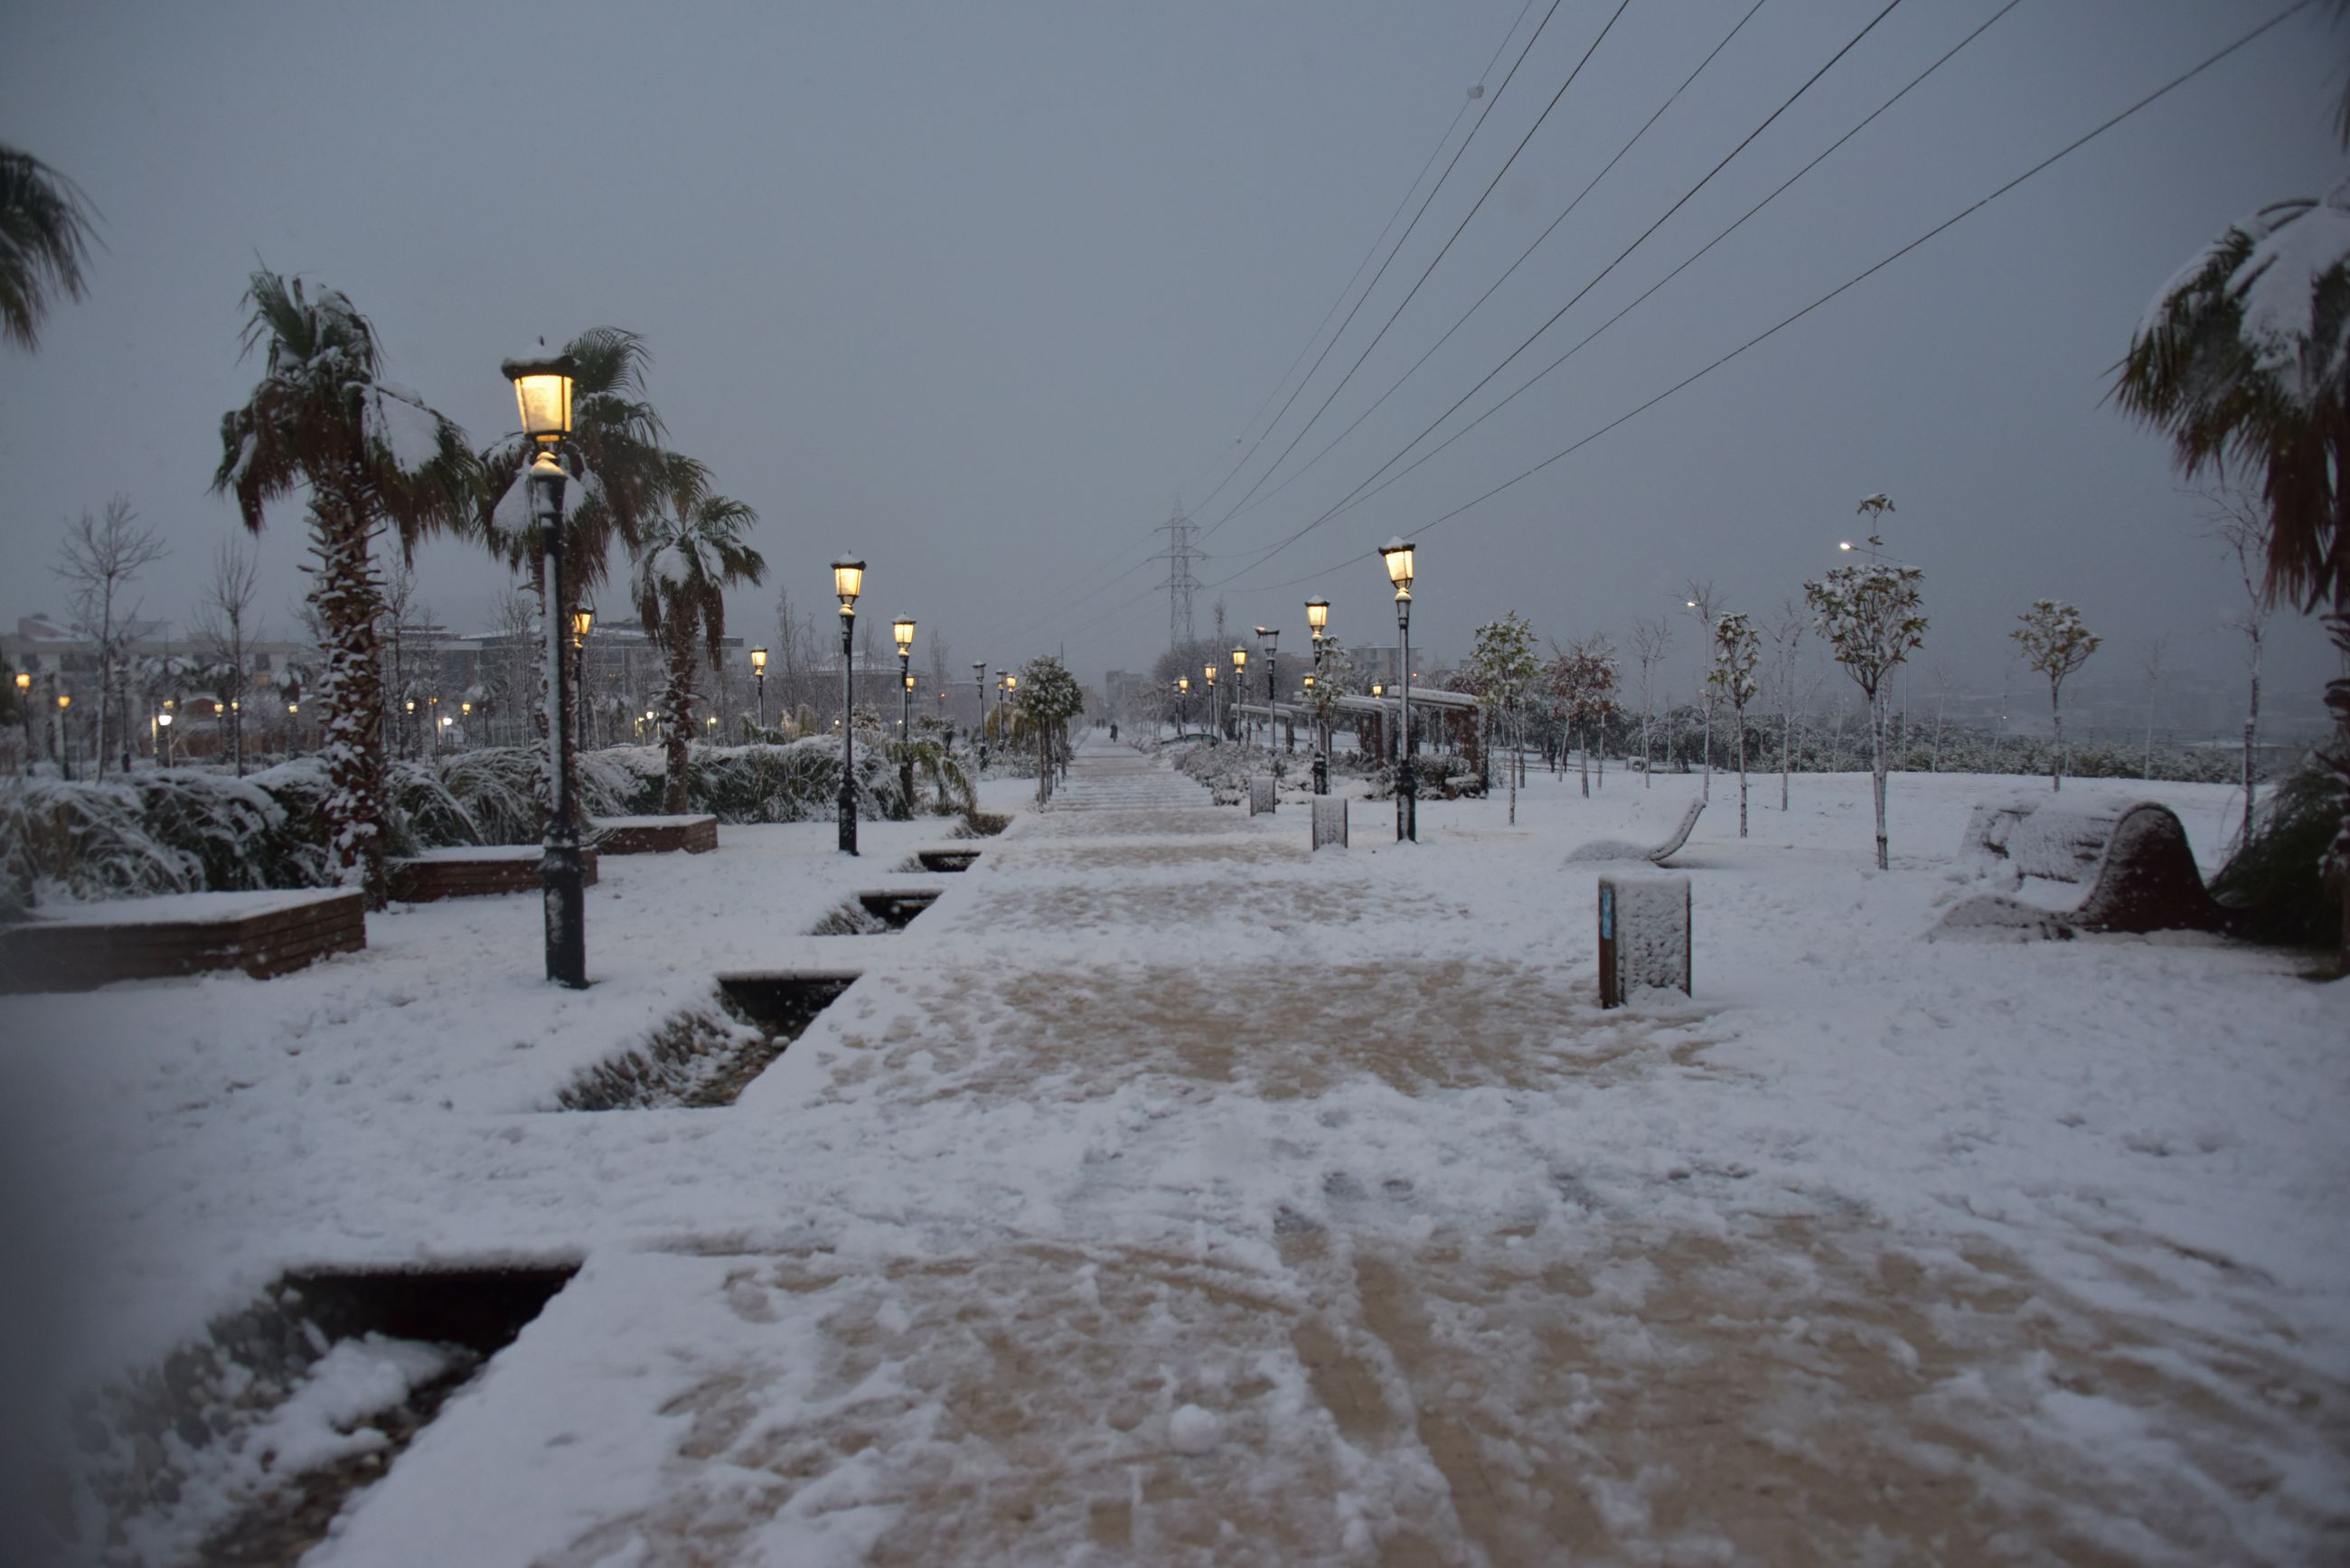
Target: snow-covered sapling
[[1502, 666], [1736, 652], [1871, 616], [2056, 643]]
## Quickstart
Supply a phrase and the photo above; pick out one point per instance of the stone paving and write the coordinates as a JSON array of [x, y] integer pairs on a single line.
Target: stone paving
[[1399, 1376]]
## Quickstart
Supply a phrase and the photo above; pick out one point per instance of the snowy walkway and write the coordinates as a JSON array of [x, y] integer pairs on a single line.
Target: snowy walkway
[[1167, 1193]]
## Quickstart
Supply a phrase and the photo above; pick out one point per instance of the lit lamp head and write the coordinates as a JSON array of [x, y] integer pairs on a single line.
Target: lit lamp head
[[1309, 683], [1183, 684], [1318, 616], [1844, 543], [910, 681], [848, 582], [1378, 688], [1211, 673], [1396, 556], [1240, 661], [582, 622], [467, 708], [758, 661], [296, 707], [164, 719], [902, 630], [543, 394], [23, 682], [65, 700], [411, 704]]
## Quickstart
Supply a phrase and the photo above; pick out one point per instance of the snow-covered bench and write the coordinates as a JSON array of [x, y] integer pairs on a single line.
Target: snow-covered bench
[[473, 871], [1616, 849], [656, 835], [2132, 855], [76, 947]]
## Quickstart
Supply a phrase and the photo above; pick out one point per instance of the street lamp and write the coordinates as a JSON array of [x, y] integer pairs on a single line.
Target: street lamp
[[65, 756], [25, 712], [582, 622], [1270, 637], [901, 632], [848, 582], [1215, 715], [1396, 556], [1239, 692], [759, 678], [543, 395], [1317, 618], [979, 726]]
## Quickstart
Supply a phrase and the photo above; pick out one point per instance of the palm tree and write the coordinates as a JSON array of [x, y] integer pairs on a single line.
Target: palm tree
[[615, 453], [44, 239], [2242, 361], [373, 456], [690, 552]]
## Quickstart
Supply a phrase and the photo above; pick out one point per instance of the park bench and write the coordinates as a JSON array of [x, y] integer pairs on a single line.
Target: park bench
[[1615, 849], [473, 871], [2131, 856], [78, 947], [657, 835]]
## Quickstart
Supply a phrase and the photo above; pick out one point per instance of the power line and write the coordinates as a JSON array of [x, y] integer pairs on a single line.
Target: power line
[[1686, 196], [1443, 252], [1152, 530], [2067, 150], [1396, 249], [1300, 473], [1863, 124], [1315, 336]]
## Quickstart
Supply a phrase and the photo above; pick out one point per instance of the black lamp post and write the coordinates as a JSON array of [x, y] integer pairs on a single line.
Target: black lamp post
[[759, 679], [1396, 556], [901, 632], [25, 712], [1240, 693], [1268, 639], [979, 725], [582, 622], [1215, 714], [65, 746], [1317, 616], [1182, 702], [848, 582], [543, 393]]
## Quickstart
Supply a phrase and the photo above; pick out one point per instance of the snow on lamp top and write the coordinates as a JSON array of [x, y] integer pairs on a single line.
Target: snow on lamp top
[[902, 629], [1317, 615]]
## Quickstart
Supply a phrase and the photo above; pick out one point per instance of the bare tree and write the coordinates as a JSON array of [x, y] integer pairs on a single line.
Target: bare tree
[[1703, 602], [1786, 642], [2241, 529], [1943, 681], [98, 559], [1652, 640], [2056, 643], [224, 630], [2150, 662]]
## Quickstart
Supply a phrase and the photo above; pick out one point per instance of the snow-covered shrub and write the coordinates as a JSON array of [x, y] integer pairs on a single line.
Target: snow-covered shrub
[[2277, 877], [168, 831]]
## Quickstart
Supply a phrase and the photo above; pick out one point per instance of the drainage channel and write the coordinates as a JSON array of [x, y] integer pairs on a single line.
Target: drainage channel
[[344, 1368], [704, 1057], [940, 862], [876, 912]]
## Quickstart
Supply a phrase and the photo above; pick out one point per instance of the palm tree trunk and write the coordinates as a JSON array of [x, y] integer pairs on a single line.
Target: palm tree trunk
[[350, 602], [677, 715], [2338, 699]]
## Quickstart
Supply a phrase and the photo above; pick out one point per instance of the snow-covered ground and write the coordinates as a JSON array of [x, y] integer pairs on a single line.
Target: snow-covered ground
[[1170, 1193]]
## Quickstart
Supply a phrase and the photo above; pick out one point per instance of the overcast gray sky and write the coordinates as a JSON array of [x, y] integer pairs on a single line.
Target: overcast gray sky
[[977, 290]]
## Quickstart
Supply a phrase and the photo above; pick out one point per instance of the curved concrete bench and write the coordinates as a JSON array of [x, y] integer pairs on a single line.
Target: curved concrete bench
[[1615, 849], [2132, 857]]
